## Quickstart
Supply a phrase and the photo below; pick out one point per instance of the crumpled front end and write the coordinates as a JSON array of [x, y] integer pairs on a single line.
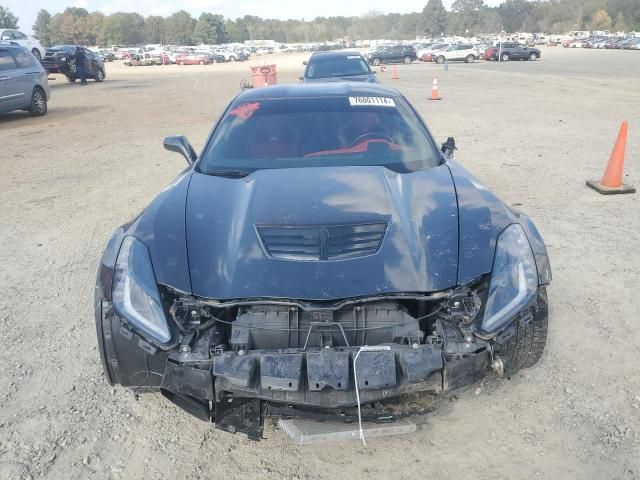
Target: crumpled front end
[[238, 361]]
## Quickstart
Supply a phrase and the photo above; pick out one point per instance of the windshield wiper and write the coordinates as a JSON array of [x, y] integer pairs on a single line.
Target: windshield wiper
[[228, 173]]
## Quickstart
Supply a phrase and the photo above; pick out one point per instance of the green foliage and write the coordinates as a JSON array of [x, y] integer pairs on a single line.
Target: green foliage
[[514, 15], [434, 17], [469, 16], [621, 24], [78, 26], [179, 28], [154, 30], [123, 29], [210, 29], [7, 19], [42, 28], [600, 20]]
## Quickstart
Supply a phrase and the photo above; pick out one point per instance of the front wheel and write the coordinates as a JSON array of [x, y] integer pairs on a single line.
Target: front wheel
[[470, 59], [36, 53], [407, 60], [200, 62], [38, 105], [440, 60], [99, 76], [71, 79], [526, 346], [375, 61], [505, 57], [533, 56]]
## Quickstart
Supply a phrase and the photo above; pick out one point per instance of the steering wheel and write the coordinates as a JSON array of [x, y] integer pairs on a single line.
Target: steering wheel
[[372, 136]]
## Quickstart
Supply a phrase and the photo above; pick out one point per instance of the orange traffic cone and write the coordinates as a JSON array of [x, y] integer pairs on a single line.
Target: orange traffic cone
[[395, 73], [611, 182], [435, 93]]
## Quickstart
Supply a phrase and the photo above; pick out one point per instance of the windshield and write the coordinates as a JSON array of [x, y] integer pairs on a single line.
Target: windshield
[[337, 66], [319, 132]]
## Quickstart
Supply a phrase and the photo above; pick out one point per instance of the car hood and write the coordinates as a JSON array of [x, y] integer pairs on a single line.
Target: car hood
[[229, 253]]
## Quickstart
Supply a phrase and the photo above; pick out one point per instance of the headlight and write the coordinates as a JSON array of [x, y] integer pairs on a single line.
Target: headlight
[[514, 279], [135, 292], [63, 59]]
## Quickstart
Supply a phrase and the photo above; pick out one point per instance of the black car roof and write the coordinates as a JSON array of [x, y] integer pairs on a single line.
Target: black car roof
[[315, 90], [335, 54]]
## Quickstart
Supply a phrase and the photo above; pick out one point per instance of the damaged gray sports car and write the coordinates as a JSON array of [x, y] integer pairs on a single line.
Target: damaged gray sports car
[[322, 252]]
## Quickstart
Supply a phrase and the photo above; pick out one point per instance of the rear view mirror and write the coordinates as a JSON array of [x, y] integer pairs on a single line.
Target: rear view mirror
[[181, 145], [305, 62], [448, 147]]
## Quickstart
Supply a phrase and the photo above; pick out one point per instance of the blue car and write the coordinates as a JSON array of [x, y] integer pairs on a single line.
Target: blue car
[[337, 67], [320, 253], [23, 81]]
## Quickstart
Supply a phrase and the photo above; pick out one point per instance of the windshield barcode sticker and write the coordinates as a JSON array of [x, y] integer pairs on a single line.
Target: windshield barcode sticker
[[371, 101]]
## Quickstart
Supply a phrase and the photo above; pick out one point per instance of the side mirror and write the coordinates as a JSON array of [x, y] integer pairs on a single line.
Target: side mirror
[[301, 78], [305, 63], [181, 145], [448, 147]]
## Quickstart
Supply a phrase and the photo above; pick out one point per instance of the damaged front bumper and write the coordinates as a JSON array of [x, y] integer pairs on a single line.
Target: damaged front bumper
[[238, 388]]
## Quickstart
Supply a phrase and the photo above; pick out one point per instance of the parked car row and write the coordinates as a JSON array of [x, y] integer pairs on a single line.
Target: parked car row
[[447, 52], [632, 43]]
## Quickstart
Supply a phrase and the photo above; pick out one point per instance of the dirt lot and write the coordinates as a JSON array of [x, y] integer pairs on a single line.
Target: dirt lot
[[532, 131]]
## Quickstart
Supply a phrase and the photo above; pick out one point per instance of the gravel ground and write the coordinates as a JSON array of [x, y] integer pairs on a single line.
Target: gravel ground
[[531, 131]]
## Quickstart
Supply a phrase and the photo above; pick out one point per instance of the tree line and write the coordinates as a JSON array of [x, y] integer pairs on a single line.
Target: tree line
[[465, 18]]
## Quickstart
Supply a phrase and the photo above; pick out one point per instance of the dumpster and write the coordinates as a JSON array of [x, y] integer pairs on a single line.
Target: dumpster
[[263, 76]]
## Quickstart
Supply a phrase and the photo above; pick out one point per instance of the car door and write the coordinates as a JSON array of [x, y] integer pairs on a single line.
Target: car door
[[458, 53], [90, 62], [519, 52], [22, 39], [15, 85], [6, 64]]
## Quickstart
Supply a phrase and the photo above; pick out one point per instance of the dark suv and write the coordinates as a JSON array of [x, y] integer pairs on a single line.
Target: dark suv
[[392, 54], [515, 51], [337, 67], [61, 59]]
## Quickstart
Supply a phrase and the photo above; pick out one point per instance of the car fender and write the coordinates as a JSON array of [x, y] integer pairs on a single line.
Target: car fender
[[483, 216], [161, 227]]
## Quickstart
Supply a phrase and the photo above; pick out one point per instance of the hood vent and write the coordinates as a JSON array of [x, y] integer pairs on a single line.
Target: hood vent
[[334, 242]]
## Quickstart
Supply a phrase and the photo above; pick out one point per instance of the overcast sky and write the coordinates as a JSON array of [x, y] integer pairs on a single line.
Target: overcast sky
[[26, 11]]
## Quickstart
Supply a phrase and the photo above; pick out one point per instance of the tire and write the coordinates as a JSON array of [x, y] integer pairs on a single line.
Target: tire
[[440, 60], [182, 63], [375, 61], [525, 348], [470, 59], [38, 105], [99, 76], [71, 79], [533, 57], [200, 62], [505, 57], [36, 53], [406, 60], [232, 59]]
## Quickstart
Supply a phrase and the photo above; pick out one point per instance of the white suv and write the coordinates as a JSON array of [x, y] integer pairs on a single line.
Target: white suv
[[458, 51], [19, 38]]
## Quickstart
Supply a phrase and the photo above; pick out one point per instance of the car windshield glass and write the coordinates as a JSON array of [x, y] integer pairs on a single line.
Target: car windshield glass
[[317, 132], [334, 66]]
